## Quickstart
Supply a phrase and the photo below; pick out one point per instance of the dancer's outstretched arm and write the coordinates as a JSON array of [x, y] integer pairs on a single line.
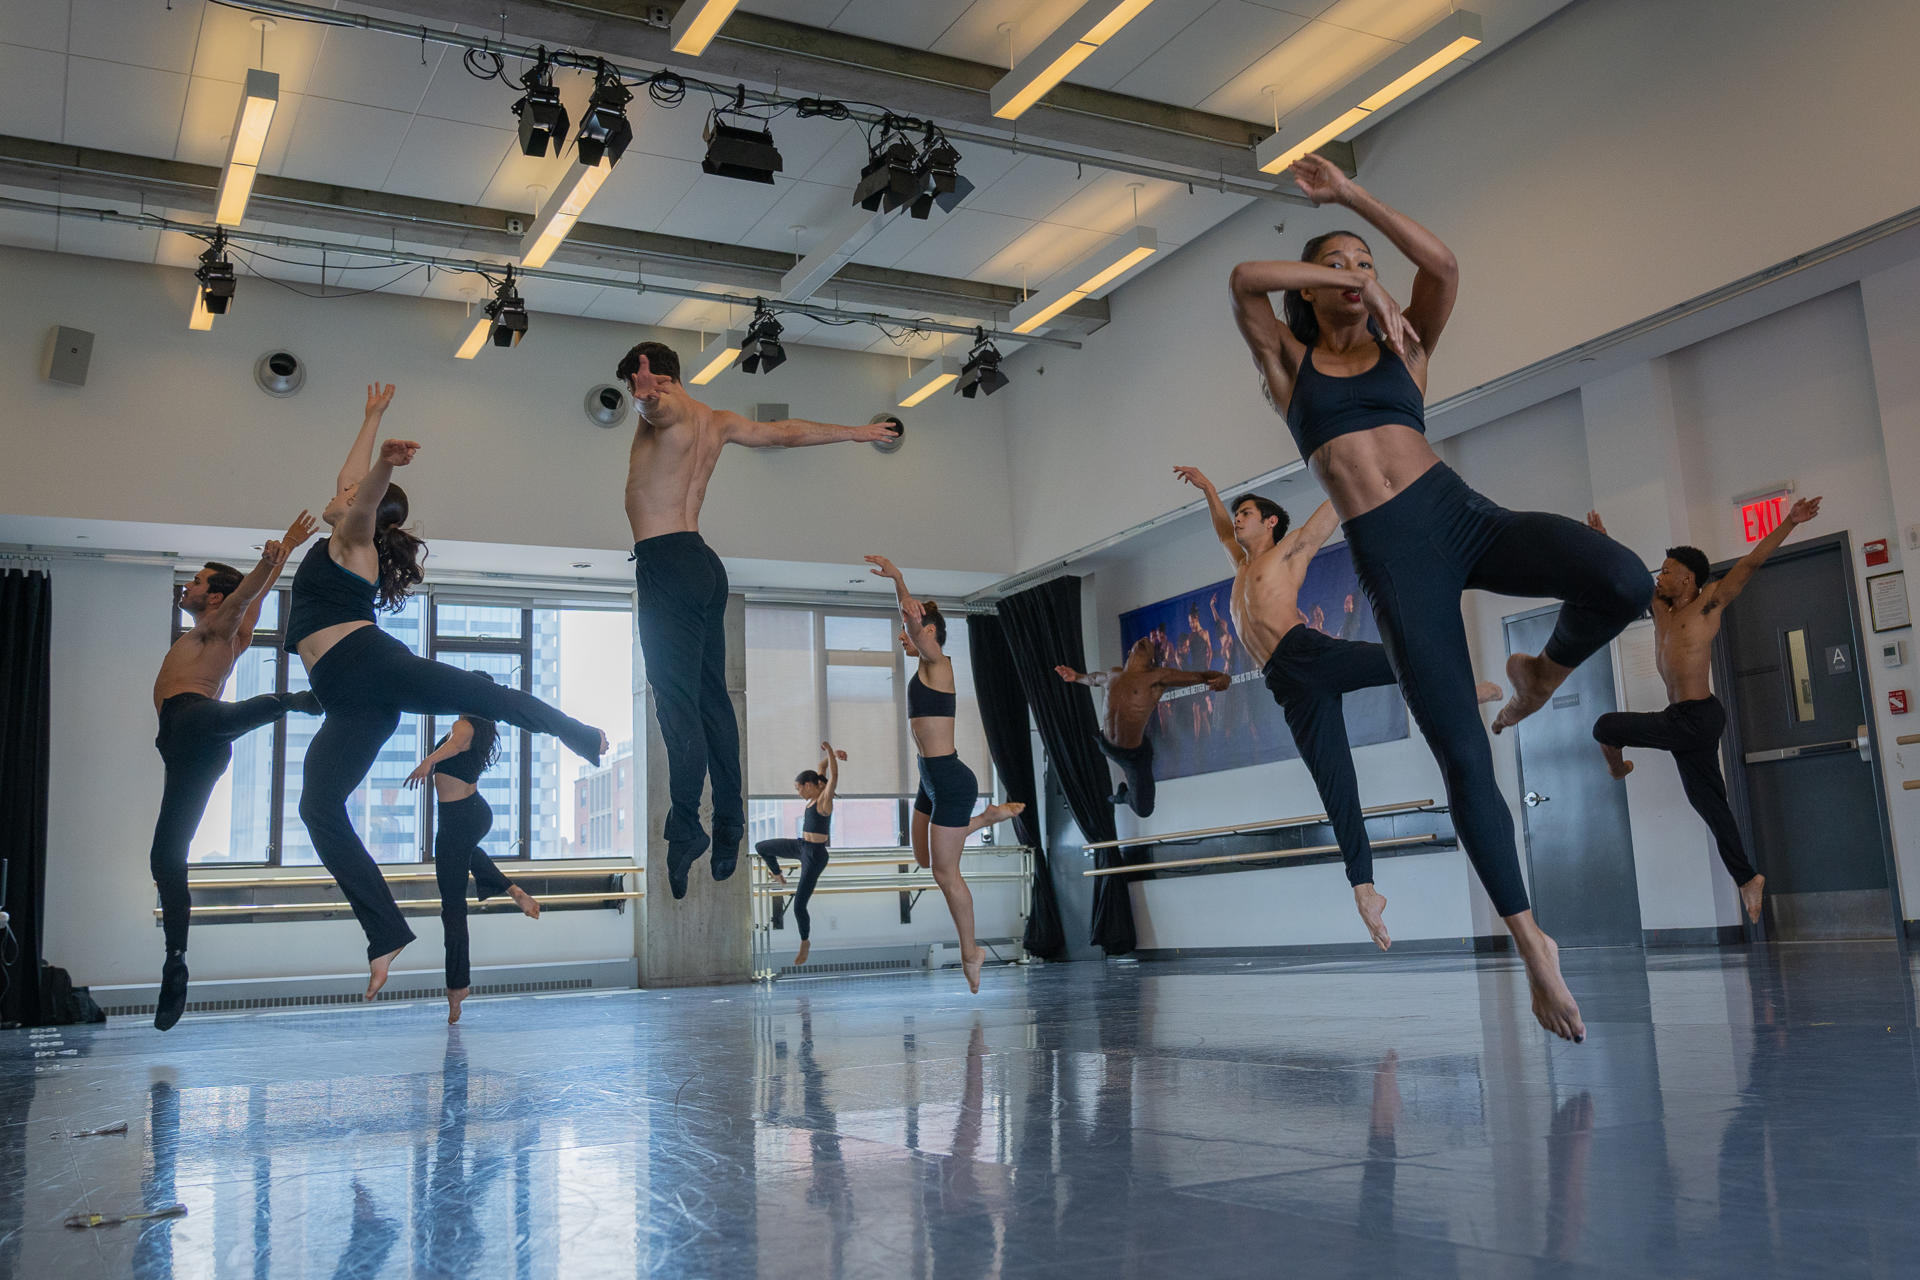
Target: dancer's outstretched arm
[[360, 456], [298, 532], [1092, 679], [356, 527], [924, 637], [1726, 589], [1218, 681], [829, 765], [1217, 511], [1306, 541], [794, 433], [459, 738]]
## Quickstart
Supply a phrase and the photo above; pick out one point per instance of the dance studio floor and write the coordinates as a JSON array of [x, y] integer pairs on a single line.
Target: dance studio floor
[[1737, 1113]]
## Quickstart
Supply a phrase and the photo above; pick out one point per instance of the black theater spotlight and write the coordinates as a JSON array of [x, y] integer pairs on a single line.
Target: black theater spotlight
[[604, 129], [981, 373], [215, 277], [939, 178], [762, 352], [508, 312], [890, 177], [543, 119], [736, 151]]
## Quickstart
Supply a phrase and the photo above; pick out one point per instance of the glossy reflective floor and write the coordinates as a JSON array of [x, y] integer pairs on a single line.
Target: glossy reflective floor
[[1738, 1113]]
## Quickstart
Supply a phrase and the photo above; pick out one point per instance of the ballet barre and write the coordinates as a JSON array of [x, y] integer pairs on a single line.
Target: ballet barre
[[1907, 739], [529, 870], [1248, 828], [1911, 784], [1397, 842], [405, 904]]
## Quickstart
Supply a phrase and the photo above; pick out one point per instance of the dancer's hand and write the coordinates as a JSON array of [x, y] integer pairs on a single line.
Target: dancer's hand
[[273, 552], [379, 396], [645, 384], [1193, 476], [398, 453], [1803, 511], [882, 568], [876, 432], [419, 775], [1320, 179], [298, 532], [1066, 673], [1595, 523], [1394, 328], [1219, 681]]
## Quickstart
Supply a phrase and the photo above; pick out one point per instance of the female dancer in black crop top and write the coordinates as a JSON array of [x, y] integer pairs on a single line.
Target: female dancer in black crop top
[[365, 678], [461, 822], [1349, 371], [816, 787], [943, 814]]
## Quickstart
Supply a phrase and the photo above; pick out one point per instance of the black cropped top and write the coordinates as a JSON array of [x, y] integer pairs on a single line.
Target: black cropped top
[[924, 701], [325, 594], [815, 823], [469, 764], [1323, 407]]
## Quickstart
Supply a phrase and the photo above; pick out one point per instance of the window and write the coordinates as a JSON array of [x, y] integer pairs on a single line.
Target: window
[[574, 655], [839, 674]]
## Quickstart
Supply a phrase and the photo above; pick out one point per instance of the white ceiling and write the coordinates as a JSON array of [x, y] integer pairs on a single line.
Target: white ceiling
[[368, 110]]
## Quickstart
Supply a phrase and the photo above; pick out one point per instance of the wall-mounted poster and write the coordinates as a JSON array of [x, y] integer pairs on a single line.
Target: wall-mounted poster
[[1196, 731]]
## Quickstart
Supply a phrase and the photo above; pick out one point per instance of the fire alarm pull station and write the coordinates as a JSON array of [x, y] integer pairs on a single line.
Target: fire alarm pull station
[[1897, 701], [1876, 552]]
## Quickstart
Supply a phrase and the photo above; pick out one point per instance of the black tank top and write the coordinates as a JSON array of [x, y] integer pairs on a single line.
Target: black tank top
[[469, 764], [923, 701], [325, 594], [815, 823], [1324, 407]]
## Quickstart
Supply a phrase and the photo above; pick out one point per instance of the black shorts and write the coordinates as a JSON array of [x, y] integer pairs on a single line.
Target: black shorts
[[948, 790]]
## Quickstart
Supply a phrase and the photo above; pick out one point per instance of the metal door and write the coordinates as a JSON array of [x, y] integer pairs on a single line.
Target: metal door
[[1579, 843], [1789, 655]]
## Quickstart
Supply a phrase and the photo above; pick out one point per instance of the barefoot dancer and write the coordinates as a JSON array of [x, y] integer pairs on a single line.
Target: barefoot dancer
[[943, 810], [1133, 691], [198, 730], [683, 593], [462, 821], [1687, 610], [1306, 670], [1349, 371], [816, 787], [366, 679]]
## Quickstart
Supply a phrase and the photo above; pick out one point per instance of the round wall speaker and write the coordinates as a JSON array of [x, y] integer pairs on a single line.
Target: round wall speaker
[[280, 373], [607, 405], [893, 445]]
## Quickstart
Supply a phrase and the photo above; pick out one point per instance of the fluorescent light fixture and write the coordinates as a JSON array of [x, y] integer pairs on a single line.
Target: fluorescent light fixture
[[1090, 274], [809, 275], [698, 22], [934, 375], [562, 209], [476, 338], [1419, 60], [1070, 44], [245, 146], [719, 357], [199, 318]]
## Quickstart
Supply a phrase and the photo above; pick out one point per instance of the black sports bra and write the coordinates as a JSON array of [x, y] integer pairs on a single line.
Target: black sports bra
[[324, 595], [468, 765], [924, 701], [1324, 407], [815, 823]]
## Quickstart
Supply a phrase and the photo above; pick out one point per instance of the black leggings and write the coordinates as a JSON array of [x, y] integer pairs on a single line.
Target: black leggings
[[1415, 554], [196, 743], [1136, 774], [1691, 731], [1307, 674], [460, 827], [812, 858], [365, 682], [681, 618]]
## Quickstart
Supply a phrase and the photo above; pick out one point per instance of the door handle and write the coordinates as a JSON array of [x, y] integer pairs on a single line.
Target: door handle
[[1535, 799], [1855, 743], [1863, 744]]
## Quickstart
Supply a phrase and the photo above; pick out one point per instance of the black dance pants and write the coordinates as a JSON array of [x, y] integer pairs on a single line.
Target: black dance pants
[[812, 857], [1691, 732], [1136, 773], [460, 827]]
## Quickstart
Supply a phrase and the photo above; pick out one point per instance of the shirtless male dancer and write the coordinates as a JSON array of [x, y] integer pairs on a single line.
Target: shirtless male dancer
[[1306, 670], [1687, 610], [197, 731], [683, 592], [1133, 691]]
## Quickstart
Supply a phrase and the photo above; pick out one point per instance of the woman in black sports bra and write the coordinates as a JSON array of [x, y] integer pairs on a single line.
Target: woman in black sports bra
[[943, 814], [1348, 369], [816, 787], [365, 679], [461, 822]]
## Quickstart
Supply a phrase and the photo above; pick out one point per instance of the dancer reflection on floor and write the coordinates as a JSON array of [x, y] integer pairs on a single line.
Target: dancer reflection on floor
[[816, 787]]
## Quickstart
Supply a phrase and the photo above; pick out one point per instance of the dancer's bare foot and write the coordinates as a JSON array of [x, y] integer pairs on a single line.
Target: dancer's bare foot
[[994, 814], [605, 746], [801, 957], [528, 904], [1487, 691], [1553, 1005], [1533, 680], [971, 967], [379, 966], [1617, 765], [778, 878], [453, 1003], [1372, 904], [1750, 896]]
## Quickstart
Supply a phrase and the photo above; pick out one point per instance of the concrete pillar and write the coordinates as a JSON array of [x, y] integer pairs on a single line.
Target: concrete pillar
[[707, 936]]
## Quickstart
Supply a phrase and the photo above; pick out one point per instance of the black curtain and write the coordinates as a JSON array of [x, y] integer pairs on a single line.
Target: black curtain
[[26, 643], [1003, 714], [1043, 631]]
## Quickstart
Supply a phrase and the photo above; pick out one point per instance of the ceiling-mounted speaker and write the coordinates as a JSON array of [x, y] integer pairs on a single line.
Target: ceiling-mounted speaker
[[69, 351], [607, 405], [279, 374]]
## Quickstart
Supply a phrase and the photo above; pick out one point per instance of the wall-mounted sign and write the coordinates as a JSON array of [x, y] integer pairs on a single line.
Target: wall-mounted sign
[[1761, 515]]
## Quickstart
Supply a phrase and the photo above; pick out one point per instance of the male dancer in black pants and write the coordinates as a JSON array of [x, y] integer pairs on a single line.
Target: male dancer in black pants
[[1306, 670], [197, 731], [683, 592], [1686, 617], [1133, 691]]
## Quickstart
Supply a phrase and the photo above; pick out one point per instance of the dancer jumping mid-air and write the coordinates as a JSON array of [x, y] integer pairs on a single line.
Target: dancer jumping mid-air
[[1133, 691]]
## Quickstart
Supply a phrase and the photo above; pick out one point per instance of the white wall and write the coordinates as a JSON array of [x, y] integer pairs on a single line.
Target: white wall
[[171, 429]]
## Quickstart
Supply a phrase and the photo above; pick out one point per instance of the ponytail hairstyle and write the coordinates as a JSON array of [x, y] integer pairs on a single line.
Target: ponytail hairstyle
[[400, 552], [930, 616], [486, 734], [809, 778], [1296, 310]]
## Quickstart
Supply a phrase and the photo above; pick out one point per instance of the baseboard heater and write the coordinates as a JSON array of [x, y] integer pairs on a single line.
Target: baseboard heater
[[235, 994], [902, 958]]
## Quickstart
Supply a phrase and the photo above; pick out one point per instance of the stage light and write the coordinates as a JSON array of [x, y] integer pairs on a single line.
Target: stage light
[[981, 373], [604, 130], [215, 280], [762, 352], [543, 119], [940, 180], [698, 21], [746, 154], [1069, 45], [890, 177], [503, 321], [245, 145], [1092, 272]]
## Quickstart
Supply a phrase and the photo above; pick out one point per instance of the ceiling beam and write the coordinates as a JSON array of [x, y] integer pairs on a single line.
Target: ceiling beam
[[112, 175]]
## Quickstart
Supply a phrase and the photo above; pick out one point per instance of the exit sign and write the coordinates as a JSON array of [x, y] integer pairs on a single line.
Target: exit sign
[[1760, 516]]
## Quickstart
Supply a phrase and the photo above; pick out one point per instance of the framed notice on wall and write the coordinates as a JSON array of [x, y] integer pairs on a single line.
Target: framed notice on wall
[[1887, 597]]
